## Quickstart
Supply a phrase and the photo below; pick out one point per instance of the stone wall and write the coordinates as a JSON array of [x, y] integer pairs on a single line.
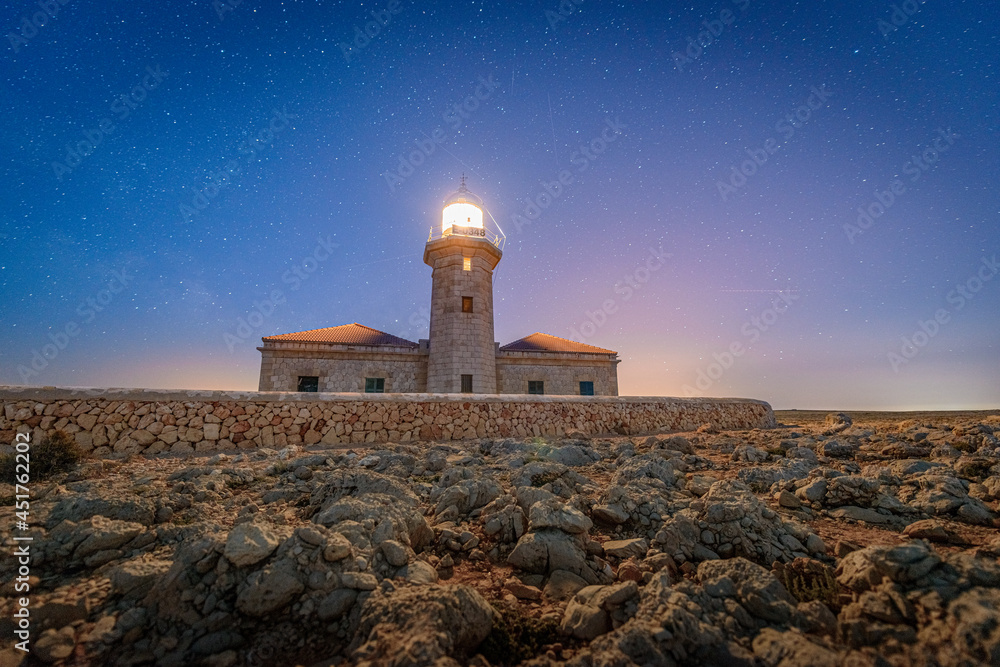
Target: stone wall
[[109, 422], [281, 364], [562, 373]]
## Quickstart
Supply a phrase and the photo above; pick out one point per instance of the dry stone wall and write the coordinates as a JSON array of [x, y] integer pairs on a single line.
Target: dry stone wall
[[119, 422]]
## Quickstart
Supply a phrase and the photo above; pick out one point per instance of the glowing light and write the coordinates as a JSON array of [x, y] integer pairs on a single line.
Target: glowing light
[[461, 214]]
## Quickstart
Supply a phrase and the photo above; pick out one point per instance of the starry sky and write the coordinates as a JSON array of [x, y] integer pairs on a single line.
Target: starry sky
[[791, 201]]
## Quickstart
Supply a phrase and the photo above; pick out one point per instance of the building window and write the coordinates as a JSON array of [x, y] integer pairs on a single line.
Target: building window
[[466, 263], [308, 383], [586, 388], [466, 384], [466, 304], [374, 385], [536, 387]]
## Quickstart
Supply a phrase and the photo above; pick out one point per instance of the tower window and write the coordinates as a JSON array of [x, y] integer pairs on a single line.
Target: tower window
[[586, 388], [466, 263], [466, 304], [308, 383], [374, 385], [466, 384], [536, 387]]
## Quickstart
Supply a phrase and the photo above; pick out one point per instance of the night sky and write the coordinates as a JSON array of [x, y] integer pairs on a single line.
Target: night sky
[[791, 201]]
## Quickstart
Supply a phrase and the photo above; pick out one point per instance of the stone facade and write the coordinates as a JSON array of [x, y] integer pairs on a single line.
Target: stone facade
[[340, 370], [561, 373], [120, 422], [461, 343]]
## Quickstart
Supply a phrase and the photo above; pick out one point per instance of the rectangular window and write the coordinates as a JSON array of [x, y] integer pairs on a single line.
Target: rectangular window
[[466, 263], [308, 383], [374, 385], [466, 384], [466, 304], [586, 388], [536, 387]]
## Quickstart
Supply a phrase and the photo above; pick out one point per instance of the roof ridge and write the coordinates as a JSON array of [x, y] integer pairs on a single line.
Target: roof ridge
[[568, 340], [348, 331], [524, 339]]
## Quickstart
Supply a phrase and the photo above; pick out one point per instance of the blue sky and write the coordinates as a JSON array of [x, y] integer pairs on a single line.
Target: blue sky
[[170, 172]]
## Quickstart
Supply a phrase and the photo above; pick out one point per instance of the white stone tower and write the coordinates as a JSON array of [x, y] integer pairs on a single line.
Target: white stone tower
[[463, 253]]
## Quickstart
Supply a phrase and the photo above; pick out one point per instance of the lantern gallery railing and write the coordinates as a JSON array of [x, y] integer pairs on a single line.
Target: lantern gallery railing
[[497, 239]]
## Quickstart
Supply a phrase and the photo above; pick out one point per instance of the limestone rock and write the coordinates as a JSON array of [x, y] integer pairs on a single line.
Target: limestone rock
[[395, 553], [80, 507], [105, 535], [269, 590], [563, 585], [250, 543], [418, 572], [555, 514], [135, 578], [545, 551], [336, 604], [421, 626], [862, 569], [756, 588], [933, 530], [633, 548], [791, 649]]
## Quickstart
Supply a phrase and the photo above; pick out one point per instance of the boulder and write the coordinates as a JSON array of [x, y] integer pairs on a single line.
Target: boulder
[[555, 514], [250, 543], [563, 585], [633, 548], [105, 535], [135, 578], [861, 570], [545, 551], [792, 649], [756, 588], [421, 626], [933, 530], [269, 590]]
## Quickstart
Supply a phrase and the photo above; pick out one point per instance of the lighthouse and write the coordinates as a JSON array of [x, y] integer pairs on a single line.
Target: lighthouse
[[460, 354], [462, 252]]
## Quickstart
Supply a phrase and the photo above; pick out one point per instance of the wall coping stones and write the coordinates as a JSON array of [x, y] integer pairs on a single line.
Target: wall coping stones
[[117, 421], [32, 393]]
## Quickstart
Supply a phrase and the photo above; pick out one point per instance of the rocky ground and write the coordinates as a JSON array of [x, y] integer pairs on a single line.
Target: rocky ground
[[826, 541]]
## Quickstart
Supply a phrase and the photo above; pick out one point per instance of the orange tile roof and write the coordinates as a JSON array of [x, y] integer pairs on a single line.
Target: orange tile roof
[[347, 334], [541, 342]]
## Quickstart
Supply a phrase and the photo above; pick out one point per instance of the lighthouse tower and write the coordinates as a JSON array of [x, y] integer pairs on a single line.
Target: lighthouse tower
[[463, 253]]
